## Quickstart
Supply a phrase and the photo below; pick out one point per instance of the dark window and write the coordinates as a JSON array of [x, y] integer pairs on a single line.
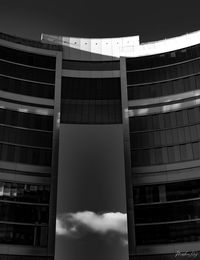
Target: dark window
[[91, 101], [106, 112], [146, 194], [167, 212], [91, 65], [25, 137], [91, 88], [159, 89], [34, 74], [23, 235], [25, 155], [27, 120], [174, 191], [183, 190], [26, 88], [168, 233], [23, 213], [27, 58]]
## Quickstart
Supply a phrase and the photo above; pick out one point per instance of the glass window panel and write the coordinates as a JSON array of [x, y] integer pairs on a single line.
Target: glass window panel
[[167, 212], [171, 233], [181, 135], [158, 155], [171, 154]]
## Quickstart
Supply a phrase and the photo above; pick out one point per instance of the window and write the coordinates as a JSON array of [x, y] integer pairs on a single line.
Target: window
[[27, 120], [27, 58], [168, 233], [26, 88], [22, 72]]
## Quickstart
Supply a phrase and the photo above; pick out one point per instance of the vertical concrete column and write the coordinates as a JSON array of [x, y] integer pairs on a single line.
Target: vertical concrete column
[[127, 156], [54, 164]]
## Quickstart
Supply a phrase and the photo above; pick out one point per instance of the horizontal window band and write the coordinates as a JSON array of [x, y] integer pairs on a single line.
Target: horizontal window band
[[91, 74], [167, 222], [24, 203], [163, 146], [165, 202], [162, 81], [26, 128], [26, 146], [90, 101], [166, 174], [162, 129], [28, 66], [161, 249], [24, 103], [165, 66], [163, 99], [22, 167], [166, 167], [164, 109], [27, 80], [22, 177], [90, 65], [26, 108], [25, 99], [23, 224]]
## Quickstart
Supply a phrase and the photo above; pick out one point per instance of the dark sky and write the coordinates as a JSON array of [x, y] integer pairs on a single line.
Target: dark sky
[[151, 19]]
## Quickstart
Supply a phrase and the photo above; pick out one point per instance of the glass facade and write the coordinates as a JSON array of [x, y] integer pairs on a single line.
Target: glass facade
[[25, 151], [91, 101], [167, 212], [163, 144]]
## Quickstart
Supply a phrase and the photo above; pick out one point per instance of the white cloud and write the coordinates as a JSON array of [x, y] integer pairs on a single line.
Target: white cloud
[[73, 224], [60, 229]]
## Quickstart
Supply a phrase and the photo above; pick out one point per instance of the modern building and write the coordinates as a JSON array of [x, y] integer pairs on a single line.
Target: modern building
[[114, 98]]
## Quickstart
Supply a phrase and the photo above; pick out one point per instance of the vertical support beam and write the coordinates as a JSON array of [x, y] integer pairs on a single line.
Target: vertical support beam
[[54, 164], [127, 158]]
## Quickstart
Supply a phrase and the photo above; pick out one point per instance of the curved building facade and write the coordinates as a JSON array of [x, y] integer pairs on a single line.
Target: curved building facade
[[163, 98], [160, 112], [28, 162], [131, 110]]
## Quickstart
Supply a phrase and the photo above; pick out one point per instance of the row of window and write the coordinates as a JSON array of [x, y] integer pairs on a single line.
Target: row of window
[[163, 73], [86, 112], [164, 155], [25, 137], [26, 58], [167, 192], [164, 88], [23, 213], [90, 65], [165, 120], [27, 120], [25, 155], [163, 59], [168, 137], [21, 192], [167, 212], [23, 235], [91, 88], [28, 73], [26, 88], [169, 233]]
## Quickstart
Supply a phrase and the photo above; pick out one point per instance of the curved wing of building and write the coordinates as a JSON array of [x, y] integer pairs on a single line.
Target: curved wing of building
[[94, 101]]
